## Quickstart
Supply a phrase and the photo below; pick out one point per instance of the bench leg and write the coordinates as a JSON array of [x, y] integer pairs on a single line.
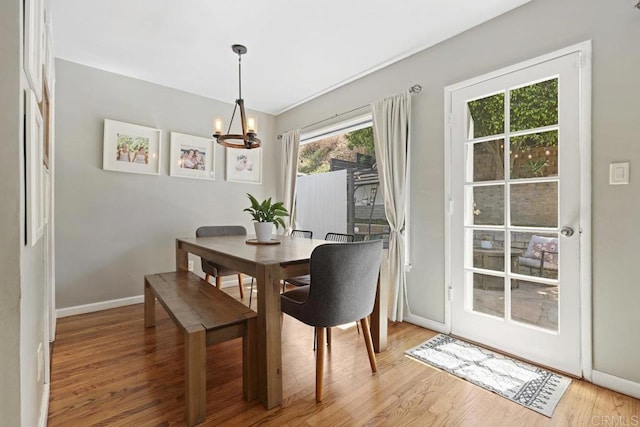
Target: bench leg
[[250, 360], [195, 375], [149, 306]]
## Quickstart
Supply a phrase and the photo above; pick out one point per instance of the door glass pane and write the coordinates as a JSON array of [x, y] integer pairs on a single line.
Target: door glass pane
[[486, 116], [488, 161], [488, 205], [488, 250], [537, 254], [534, 204], [534, 303], [534, 106], [488, 294], [534, 155]]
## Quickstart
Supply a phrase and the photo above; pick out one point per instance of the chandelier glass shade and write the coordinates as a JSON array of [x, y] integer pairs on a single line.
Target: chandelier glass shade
[[249, 137]]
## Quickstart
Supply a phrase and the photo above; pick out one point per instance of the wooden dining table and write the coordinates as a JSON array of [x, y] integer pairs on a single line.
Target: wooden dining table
[[269, 264]]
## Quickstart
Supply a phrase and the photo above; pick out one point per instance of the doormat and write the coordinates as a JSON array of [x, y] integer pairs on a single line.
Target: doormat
[[528, 385]]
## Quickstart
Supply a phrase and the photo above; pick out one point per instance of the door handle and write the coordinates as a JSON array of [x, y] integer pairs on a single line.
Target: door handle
[[566, 231]]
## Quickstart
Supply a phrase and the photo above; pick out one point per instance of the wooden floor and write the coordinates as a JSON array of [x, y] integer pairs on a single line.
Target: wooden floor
[[109, 370]]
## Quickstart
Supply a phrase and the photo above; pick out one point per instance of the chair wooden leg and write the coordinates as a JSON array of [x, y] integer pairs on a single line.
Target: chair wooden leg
[[251, 291], [207, 277], [367, 340], [218, 282], [329, 336], [319, 363], [240, 286], [358, 327]]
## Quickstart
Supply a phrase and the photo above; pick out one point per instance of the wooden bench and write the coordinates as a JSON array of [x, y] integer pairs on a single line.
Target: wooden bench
[[206, 315]]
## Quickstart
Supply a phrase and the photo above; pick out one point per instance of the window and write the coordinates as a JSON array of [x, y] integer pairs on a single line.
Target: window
[[338, 186]]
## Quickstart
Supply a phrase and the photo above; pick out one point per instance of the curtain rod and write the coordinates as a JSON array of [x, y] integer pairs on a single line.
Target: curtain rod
[[414, 90]]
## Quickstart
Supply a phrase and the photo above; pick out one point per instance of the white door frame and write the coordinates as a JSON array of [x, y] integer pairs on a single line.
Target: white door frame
[[584, 49]]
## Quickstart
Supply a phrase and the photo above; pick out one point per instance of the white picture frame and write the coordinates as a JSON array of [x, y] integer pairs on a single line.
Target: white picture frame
[[35, 169], [33, 44], [244, 165], [49, 60], [192, 157], [131, 148]]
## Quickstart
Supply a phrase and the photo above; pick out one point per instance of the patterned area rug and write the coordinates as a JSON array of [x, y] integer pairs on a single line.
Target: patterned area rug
[[530, 386]]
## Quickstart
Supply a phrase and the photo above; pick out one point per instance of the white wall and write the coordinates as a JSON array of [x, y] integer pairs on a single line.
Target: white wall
[[10, 210], [536, 28], [112, 228]]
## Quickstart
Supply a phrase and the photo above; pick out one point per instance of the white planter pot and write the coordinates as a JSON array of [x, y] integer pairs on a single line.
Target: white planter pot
[[263, 231], [486, 244]]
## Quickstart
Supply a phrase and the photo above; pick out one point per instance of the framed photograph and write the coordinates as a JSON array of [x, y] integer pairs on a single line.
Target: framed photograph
[[244, 165], [33, 44], [192, 157], [35, 169], [131, 148]]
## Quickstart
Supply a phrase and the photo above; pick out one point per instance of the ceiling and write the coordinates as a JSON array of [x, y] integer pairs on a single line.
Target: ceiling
[[297, 50]]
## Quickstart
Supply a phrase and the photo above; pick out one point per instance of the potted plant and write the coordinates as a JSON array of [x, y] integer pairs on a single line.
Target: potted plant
[[265, 215]]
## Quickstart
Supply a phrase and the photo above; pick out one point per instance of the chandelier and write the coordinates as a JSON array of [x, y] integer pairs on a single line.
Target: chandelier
[[248, 139]]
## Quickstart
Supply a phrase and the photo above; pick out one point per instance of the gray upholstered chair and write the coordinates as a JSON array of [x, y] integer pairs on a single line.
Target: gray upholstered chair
[[214, 270], [304, 280], [342, 290]]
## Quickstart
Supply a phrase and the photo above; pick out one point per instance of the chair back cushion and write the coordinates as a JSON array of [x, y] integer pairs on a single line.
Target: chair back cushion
[[344, 278], [539, 245], [218, 230], [221, 230]]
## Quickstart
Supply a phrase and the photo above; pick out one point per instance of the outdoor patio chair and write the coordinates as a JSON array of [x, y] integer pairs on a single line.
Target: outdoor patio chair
[[344, 279], [541, 255]]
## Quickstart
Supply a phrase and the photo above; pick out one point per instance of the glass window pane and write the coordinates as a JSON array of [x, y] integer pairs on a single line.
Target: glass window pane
[[488, 294], [534, 106], [488, 205], [534, 204], [534, 303], [534, 155], [537, 254], [488, 161], [486, 116], [488, 250]]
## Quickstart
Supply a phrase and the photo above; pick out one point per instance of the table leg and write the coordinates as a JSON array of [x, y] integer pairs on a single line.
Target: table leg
[[182, 258], [269, 336], [379, 319]]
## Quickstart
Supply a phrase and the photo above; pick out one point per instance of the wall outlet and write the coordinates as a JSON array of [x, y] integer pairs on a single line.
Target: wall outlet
[[40, 361], [190, 265]]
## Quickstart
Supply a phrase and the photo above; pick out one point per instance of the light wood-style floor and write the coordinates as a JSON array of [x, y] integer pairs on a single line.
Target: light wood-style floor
[[109, 370]]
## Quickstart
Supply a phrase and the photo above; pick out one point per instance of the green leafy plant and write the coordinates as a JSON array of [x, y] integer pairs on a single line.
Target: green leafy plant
[[267, 212]]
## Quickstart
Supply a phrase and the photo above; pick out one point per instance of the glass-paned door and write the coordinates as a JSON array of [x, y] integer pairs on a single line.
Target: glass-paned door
[[515, 182]]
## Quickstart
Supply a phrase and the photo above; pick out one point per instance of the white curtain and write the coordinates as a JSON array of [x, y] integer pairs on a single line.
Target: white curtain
[[391, 120], [290, 148]]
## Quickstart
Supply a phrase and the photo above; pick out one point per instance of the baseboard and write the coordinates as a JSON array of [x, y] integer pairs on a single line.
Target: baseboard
[[98, 306], [425, 323], [44, 408], [618, 384]]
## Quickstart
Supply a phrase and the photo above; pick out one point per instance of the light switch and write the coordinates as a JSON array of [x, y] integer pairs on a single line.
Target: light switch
[[619, 173]]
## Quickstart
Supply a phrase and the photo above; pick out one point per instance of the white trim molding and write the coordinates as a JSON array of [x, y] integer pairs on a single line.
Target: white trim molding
[[618, 384], [44, 407], [426, 323], [98, 306]]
